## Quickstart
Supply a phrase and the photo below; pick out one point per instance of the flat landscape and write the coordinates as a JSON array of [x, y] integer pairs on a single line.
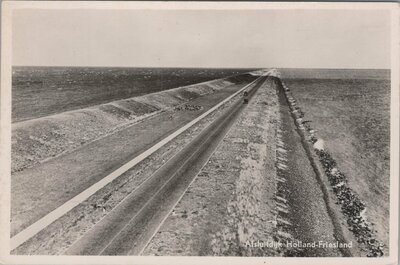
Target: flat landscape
[[200, 162], [42, 91]]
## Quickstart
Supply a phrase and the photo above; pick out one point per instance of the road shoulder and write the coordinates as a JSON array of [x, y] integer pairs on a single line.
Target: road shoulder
[[231, 201]]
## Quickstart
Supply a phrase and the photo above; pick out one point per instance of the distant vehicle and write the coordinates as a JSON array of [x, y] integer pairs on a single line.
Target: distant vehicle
[[245, 97]]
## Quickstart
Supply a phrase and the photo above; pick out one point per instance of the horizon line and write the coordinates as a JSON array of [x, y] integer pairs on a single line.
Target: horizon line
[[201, 67]]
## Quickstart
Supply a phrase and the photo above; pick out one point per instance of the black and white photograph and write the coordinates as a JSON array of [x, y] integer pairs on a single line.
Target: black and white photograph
[[225, 129]]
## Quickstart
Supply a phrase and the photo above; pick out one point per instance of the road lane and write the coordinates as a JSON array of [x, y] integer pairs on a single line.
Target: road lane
[[128, 227], [44, 193]]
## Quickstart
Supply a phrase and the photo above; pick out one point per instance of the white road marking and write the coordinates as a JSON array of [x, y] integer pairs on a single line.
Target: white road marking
[[279, 198], [282, 205], [284, 159], [283, 221], [282, 210], [285, 235], [45, 221], [281, 150], [281, 179], [281, 166]]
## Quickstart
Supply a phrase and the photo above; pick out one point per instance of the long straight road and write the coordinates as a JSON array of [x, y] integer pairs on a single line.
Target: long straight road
[[138, 214], [43, 188], [128, 228]]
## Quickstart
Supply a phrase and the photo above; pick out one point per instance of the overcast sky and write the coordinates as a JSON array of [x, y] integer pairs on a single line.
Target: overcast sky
[[202, 38]]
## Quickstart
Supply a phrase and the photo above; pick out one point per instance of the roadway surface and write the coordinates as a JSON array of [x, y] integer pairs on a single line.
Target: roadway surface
[[39, 190], [128, 228]]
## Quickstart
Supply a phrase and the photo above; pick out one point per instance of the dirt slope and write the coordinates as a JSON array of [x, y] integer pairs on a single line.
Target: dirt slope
[[40, 139]]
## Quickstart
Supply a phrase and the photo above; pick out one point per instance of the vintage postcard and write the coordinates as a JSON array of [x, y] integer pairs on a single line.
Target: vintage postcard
[[199, 132]]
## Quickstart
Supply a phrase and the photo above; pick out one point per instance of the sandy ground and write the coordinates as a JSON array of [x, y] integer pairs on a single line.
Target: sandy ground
[[231, 202]]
